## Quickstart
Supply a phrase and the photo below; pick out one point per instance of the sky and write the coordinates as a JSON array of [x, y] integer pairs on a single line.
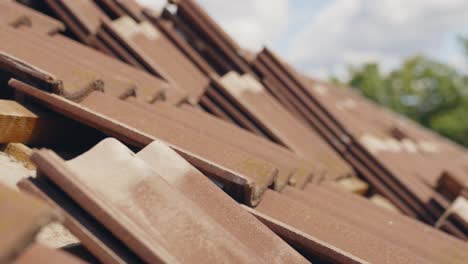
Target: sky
[[324, 37]]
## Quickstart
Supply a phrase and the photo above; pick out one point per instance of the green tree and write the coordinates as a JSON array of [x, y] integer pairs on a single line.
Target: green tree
[[430, 92], [464, 43]]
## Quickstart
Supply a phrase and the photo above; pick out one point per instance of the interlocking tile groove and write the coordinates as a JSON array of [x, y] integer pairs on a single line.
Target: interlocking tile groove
[[284, 127], [291, 167], [155, 220], [168, 28], [149, 46], [211, 32], [161, 80], [317, 228], [120, 8], [92, 235], [83, 18], [223, 209], [238, 167], [396, 228], [407, 194], [41, 60], [248, 175]]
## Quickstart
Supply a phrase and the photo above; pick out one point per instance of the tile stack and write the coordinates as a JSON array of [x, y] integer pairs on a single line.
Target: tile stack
[[160, 140]]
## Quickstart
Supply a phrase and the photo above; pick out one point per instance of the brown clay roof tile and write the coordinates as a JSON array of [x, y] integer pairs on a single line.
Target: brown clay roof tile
[[22, 218], [332, 238], [205, 194], [139, 207], [248, 175], [18, 16], [40, 254], [268, 129]]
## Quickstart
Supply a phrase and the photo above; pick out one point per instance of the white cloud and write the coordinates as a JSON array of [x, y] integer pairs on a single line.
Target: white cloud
[[356, 31], [343, 32], [253, 23]]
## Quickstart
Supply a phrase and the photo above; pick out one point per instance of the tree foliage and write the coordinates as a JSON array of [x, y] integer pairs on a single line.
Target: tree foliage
[[429, 92]]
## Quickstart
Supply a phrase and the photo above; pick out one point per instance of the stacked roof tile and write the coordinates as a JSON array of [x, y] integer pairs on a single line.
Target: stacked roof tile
[[23, 216], [169, 143]]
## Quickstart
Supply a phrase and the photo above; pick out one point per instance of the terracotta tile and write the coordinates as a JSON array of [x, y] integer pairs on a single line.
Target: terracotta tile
[[83, 18], [22, 218], [177, 56], [323, 108], [283, 127], [92, 235], [210, 32], [451, 183], [250, 172], [393, 227], [228, 213], [148, 45], [247, 176], [169, 29], [41, 254], [292, 168], [145, 87], [139, 207], [120, 8], [326, 236], [74, 80], [225, 102], [19, 16], [457, 214]]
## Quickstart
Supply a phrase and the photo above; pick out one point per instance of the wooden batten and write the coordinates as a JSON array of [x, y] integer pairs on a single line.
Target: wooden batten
[[20, 153], [17, 123]]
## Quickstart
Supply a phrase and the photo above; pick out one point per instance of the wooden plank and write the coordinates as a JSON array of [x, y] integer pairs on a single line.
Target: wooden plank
[[20, 153], [16, 122], [31, 126]]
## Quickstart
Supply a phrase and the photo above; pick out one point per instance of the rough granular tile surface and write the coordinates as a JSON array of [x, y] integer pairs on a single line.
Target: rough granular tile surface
[[12, 171], [56, 235]]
